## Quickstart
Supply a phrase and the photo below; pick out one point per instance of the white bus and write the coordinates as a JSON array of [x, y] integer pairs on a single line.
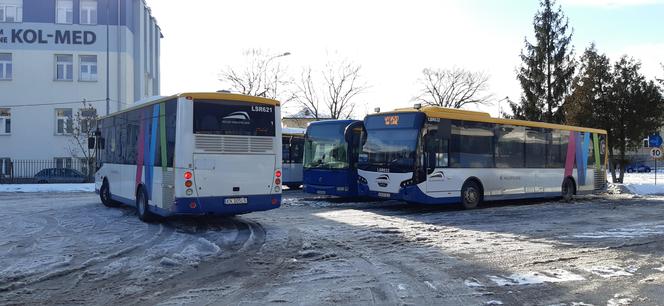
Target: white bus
[[292, 154], [192, 154], [435, 155]]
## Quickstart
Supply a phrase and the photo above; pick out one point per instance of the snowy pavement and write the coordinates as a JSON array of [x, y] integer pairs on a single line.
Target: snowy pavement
[[67, 248], [644, 183]]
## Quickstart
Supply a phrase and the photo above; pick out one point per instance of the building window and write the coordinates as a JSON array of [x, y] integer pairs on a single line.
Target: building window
[[5, 121], [64, 11], [64, 123], [63, 162], [88, 14], [6, 66], [88, 68], [64, 67], [11, 10]]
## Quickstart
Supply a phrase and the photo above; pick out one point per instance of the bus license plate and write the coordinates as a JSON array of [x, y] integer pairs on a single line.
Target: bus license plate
[[320, 192], [384, 195], [235, 201]]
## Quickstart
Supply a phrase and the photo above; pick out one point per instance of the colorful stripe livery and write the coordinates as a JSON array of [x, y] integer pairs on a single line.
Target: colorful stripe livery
[[145, 159], [571, 150], [140, 151]]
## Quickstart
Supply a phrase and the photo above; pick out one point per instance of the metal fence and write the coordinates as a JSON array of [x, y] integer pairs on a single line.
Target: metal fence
[[46, 171]]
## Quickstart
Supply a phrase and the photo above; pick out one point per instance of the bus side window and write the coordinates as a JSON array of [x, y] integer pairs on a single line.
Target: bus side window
[[436, 151]]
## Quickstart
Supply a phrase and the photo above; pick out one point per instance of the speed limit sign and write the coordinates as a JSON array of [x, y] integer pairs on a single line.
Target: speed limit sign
[[656, 153]]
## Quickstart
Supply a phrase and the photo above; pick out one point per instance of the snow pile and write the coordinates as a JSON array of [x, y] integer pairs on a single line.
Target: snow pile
[[635, 231], [529, 278], [644, 183], [619, 300], [611, 271], [47, 187]]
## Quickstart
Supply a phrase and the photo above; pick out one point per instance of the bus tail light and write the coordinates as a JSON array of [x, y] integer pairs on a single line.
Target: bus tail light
[[277, 173], [188, 175], [188, 184], [277, 181]]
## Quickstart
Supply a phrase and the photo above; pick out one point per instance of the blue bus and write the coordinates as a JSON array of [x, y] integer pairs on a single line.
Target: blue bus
[[331, 149]]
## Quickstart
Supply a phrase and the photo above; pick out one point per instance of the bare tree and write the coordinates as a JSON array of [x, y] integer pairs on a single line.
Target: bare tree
[[306, 95], [81, 127], [335, 95], [259, 76], [453, 88]]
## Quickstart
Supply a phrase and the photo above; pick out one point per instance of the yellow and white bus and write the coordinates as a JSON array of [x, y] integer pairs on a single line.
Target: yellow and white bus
[[192, 153], [435, 155]]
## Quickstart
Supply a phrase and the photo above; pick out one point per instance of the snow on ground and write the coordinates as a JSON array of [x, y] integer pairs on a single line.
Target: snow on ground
[[644, 183], [47, 187]]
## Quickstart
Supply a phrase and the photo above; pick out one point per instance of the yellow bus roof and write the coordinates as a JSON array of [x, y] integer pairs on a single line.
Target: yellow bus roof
[[202, 96], [460, 114]]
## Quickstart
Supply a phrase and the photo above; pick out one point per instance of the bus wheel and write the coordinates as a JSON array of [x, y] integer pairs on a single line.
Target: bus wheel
[[105, 195], [142, 206], [568, 190], [470, 195]]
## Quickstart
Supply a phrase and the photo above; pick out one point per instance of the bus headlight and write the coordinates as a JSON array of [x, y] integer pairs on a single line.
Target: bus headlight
[[361, 180]]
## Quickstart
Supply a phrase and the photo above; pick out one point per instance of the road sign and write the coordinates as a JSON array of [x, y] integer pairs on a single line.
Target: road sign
[[656, 153], [654, 141]]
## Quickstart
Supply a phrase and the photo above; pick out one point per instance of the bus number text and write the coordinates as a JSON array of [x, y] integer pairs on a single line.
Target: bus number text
[[391, 120]]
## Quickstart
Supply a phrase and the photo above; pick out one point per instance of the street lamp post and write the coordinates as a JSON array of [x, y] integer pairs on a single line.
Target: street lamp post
[[500, 106], [264, 93]]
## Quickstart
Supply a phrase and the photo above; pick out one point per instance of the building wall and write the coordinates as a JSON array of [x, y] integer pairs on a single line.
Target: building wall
[[33, 94]]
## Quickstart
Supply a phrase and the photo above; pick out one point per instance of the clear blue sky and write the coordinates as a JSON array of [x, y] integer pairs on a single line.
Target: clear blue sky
[[392, 40]]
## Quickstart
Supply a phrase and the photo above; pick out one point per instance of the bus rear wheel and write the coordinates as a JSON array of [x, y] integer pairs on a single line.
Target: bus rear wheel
[[568, 190], [142, 206], [470, 195], [105, 195]]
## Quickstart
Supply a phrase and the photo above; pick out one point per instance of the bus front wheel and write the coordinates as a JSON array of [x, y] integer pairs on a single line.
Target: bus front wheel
[[470, 195], [142, 207], [105, 195], [568, 190]]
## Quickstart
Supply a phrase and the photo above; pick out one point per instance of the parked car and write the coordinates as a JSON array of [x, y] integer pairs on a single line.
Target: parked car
[[59, 175], [637, 167]]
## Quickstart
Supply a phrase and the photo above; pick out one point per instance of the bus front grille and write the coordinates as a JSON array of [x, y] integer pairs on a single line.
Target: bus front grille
[[234, 144]]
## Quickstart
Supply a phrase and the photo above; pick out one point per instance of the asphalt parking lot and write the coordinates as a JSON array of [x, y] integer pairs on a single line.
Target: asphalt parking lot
[[66, 248]]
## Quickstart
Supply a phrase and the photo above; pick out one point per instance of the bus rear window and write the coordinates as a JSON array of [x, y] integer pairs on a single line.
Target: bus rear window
[[233, 118]]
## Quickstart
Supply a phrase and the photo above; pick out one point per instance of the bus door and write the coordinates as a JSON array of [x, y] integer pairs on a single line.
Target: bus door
[[436, 155]]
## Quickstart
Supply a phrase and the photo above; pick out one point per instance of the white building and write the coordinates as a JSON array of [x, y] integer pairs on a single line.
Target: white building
[[53, 56]]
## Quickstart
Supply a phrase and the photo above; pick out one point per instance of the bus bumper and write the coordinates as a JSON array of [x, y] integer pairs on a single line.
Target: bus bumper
[[340, 191], [218, 206], [410, 194]]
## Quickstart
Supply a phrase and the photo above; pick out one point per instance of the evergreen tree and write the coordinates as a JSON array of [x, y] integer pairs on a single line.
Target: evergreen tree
[[547, 67], [590, 92], [637, 111]]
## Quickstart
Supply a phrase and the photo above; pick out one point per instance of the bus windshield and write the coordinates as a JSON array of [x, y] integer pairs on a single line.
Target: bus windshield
[[389, 150], [325, 147]]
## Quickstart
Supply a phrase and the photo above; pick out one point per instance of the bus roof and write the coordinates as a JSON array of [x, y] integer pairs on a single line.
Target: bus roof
[[292, 131], [460, 114], [334, 122], [200, 96]]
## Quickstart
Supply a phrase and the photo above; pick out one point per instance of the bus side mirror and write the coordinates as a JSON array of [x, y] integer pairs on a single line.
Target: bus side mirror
[[91, 143]]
